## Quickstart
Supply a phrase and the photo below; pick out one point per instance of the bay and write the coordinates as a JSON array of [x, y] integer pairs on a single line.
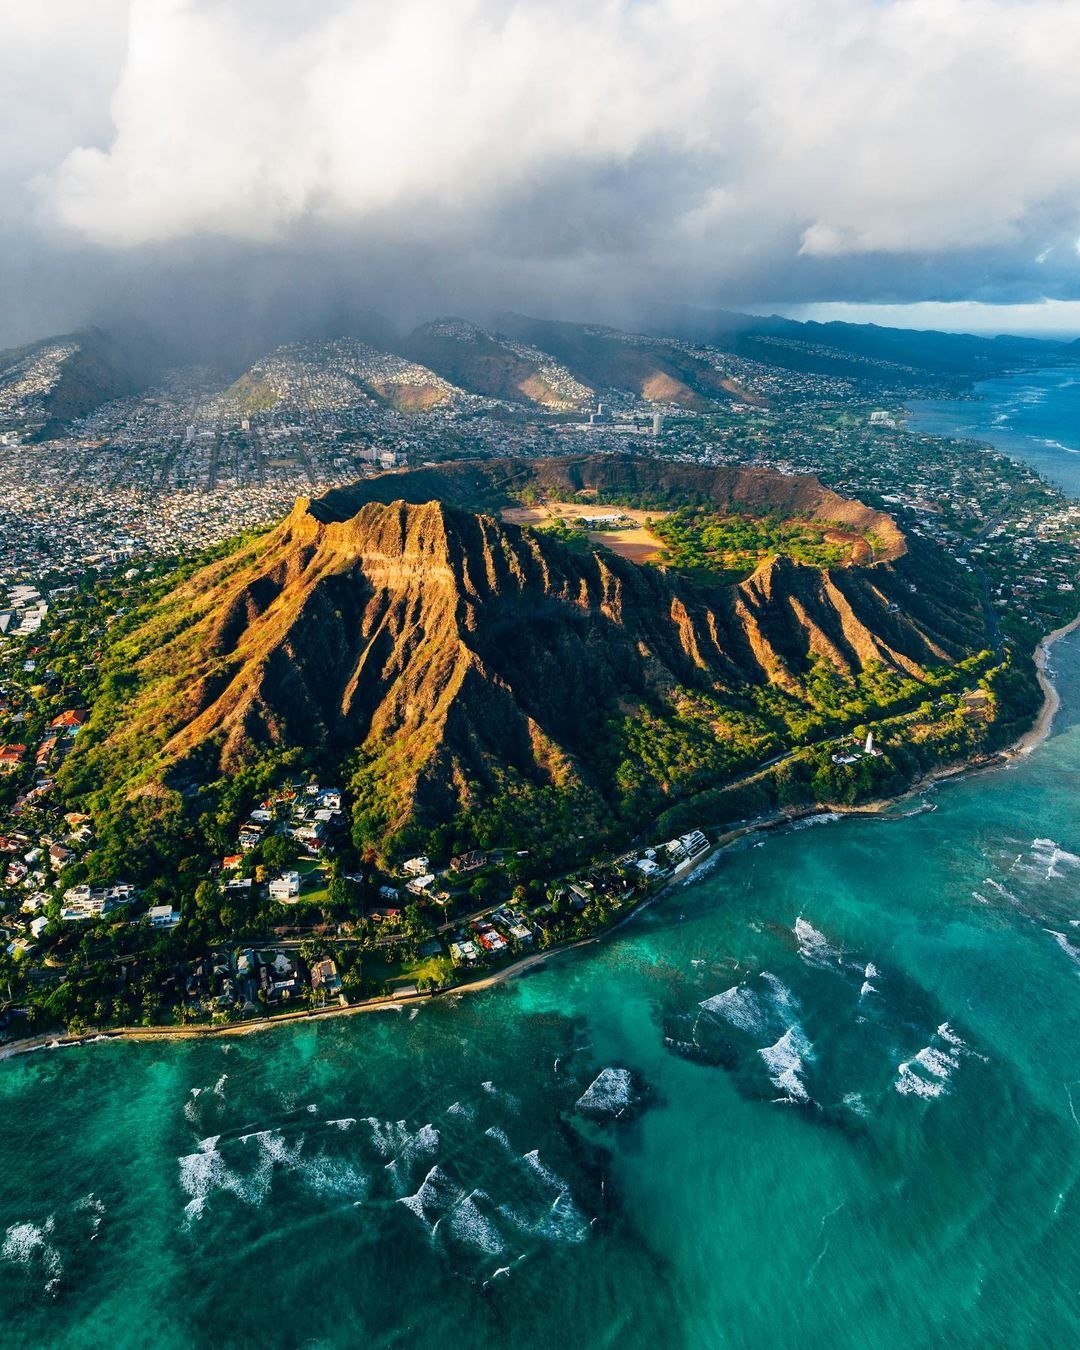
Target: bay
[[1033, 416]]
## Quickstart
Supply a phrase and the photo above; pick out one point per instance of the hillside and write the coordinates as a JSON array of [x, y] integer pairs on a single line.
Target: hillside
[[478, 679], [657, 370], [496, 366], [343, 373], [47, 384]]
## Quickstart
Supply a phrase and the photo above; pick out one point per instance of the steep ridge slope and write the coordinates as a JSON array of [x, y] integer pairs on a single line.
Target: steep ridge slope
[[454, 661]]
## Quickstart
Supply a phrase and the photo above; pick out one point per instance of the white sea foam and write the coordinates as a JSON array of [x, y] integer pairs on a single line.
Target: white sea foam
[[560, 1220], [1073, 953], [610, 1093], [854, 1102], [542, 1172], [821, 818], [1049, 854], [785, 1062], [929, 1072], [909, 1083], [937, 1062], [494, 1132], [411, 1147], [507, 1099], [25, 1243], [95, 1208], [335, 1176], [461, 1109], [739, 1006], [871, 972], [468, 1223], [203, 1173], [783, 1000], [343, 1123], [390, 1137], [434, 1196], [814, 946], [867, 988], [277, 1151]]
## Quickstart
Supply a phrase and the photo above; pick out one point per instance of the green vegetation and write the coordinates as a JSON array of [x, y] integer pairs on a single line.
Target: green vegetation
[[698, 539]]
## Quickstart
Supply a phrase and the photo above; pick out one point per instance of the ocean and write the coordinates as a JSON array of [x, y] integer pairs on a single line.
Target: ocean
[[1033, 416], [824, 1093]]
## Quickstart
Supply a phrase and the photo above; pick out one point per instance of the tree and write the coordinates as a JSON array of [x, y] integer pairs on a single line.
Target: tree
[[279, 852]]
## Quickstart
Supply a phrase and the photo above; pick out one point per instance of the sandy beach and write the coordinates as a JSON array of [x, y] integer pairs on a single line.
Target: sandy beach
[[1051, 698]]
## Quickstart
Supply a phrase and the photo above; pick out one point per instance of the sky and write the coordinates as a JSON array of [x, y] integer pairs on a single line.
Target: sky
[[204, 164]]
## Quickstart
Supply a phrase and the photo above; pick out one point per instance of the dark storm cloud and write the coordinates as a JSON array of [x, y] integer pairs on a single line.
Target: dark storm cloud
[[236, 162]]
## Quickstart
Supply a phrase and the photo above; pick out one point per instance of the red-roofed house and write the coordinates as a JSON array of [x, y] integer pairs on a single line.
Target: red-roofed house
[[11, 756], [70, 720]]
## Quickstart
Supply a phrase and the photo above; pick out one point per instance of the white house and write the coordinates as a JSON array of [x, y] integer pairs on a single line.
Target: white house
[[285, 887], [163, 916], [416, 867]]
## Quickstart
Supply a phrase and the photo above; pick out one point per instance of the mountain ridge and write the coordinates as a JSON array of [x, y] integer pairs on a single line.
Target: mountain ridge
[[458, 663]]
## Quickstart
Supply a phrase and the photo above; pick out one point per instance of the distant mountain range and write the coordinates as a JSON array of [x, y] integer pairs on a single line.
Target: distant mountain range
[[548, 365]]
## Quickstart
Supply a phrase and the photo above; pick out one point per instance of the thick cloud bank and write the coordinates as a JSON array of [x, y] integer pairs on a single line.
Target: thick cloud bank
[[701, 150]]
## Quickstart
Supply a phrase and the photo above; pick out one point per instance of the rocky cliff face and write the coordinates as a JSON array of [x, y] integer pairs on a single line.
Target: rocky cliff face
[[449, 649]]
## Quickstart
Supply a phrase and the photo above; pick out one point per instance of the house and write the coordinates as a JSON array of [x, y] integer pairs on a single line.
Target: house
[[324, 975], [38, 925], [416, 867], [420, 885], [69, 721], [85, 902], [163, 916], [469, 862], [11, 757], [232, 861], [285, 887], [279, 978]]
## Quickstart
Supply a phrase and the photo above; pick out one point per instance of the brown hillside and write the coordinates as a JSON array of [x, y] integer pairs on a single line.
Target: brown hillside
[[455, 653]]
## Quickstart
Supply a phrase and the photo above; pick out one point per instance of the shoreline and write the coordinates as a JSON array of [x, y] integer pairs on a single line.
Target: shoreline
[[1020, 748], [1051, 698]]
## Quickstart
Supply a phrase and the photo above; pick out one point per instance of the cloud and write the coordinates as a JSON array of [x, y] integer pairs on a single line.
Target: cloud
[[624, 150]]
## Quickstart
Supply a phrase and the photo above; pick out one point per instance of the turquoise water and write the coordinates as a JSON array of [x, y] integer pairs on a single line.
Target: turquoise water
[[1033, 416], [427, 1179]]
